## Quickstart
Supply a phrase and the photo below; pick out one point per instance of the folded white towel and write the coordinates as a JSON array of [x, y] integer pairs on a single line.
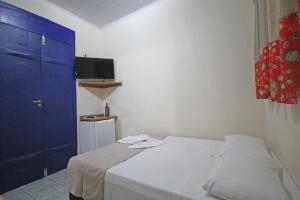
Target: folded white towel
[[151, 142], [134, 139]]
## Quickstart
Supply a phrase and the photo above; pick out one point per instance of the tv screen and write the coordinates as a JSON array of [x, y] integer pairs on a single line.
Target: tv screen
[[94, 68]]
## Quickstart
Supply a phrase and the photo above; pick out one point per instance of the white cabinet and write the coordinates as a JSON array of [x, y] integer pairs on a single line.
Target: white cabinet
[[96, 134]]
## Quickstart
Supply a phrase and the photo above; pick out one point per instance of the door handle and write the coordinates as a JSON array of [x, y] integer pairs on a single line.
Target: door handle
[[37, 103]]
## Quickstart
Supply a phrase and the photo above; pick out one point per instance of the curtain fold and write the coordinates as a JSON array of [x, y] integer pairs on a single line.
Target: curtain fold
[[277, 50]]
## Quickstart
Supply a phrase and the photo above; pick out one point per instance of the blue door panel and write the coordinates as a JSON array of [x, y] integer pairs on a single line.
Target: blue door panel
[[58, 107], [19, 43], [9, 177], [21, 82], [7, 79], [57, 158], [8, 141], [59, 104], [7, 110], [20, 171], [33, 138], [28, 116], [58, 93], [59, 53], [59, 100]]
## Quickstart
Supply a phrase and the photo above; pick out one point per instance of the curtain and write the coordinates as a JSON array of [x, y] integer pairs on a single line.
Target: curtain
[[277, 50]]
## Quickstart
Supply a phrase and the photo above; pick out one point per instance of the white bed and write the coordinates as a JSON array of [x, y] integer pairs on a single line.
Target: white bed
[[167, 173]]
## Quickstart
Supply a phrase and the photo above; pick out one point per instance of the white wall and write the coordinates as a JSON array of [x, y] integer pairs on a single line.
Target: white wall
[[87, 42], [283, 135], [187, 68]]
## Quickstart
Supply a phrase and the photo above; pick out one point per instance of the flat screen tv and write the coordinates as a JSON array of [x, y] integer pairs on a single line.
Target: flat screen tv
[[94, 68]]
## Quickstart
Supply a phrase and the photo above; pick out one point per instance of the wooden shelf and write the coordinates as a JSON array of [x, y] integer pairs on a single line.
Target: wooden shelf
[[103, 84], [94, 118]]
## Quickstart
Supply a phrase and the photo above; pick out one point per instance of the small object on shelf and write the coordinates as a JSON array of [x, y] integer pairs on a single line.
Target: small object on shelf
[[106, 113]]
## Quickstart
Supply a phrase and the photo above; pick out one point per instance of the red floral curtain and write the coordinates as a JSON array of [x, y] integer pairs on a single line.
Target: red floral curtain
[[277, 71]]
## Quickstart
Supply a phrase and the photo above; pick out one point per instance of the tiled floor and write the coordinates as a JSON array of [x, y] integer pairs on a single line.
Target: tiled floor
[[52, 187]]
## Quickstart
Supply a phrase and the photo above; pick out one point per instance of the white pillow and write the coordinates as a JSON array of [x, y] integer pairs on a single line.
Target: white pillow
[[245, 145], [246, 172]]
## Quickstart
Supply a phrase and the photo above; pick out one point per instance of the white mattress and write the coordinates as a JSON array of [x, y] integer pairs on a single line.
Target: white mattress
[[175, 170]]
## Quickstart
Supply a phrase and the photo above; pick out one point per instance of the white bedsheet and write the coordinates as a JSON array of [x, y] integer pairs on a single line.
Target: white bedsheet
[[173, 171]]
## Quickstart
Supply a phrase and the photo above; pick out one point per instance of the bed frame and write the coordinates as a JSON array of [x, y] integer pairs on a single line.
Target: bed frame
[[72, 197]]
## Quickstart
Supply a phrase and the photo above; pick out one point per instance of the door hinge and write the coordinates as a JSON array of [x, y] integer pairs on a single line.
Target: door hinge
[[43, 40], [45, 172]]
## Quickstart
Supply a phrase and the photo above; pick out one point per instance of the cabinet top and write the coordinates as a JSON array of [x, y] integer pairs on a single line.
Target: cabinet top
[[98, 117]]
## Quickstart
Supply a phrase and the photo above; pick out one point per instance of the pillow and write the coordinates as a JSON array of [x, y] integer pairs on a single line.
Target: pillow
[[245, 145], [246, 172]]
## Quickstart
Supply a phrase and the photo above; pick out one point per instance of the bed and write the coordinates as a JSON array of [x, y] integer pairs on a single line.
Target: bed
[[176, 170]]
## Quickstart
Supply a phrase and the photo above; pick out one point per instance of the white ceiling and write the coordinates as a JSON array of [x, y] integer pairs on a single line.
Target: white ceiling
[[101, 12]]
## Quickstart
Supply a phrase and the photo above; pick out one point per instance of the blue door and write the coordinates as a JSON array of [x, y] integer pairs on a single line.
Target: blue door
[[37, 98], [21, 140], [58, 86]]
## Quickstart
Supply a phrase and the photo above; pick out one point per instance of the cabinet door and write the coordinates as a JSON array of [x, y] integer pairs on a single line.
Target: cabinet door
[[87, 138], [20, 117], [59, 116], [105, 132]]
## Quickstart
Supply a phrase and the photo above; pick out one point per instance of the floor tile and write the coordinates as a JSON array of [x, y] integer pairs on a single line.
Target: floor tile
[[61, 178], [52, 187], [61, 194], [41, 188], [16, 194]]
